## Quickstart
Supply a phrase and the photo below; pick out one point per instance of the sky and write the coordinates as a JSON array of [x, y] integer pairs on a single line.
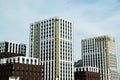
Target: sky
[[91, 18]]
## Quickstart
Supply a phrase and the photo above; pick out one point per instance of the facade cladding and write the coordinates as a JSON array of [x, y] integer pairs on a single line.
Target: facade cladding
[[101, 52], [24, 68], [11, 47], [86, 73], [51, 41]]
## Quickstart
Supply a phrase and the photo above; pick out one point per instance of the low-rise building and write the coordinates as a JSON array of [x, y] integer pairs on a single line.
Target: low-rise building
[[86, 73], [20, 68]]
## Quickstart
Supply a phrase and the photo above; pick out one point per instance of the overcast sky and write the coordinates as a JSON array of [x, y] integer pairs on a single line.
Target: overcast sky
[[91, 18]]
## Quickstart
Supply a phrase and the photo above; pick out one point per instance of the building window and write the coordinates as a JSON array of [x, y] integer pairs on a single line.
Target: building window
[[10, 60], [26, 68], [35, 62], [27, 61], [13, 68], [13, 60], [18, 68], [23, 60], [30, 73], [7, 61], [23, 68], [13, 72], [18, 60], [31, 61]]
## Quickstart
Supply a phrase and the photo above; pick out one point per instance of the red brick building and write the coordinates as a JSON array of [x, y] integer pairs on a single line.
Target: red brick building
[[17, 65], [23, 71], [86, 73]]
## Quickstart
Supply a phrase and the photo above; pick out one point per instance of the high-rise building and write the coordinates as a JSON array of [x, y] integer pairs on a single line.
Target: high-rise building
[[11, 47], [51, 40], [101, 52]]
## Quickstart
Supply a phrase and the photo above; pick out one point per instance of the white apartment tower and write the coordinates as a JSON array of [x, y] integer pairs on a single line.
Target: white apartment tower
[[101, 52], [51, 40]]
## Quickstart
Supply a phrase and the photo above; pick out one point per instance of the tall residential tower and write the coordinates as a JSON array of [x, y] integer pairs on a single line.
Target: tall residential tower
[[51, 41], [101, 52]]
